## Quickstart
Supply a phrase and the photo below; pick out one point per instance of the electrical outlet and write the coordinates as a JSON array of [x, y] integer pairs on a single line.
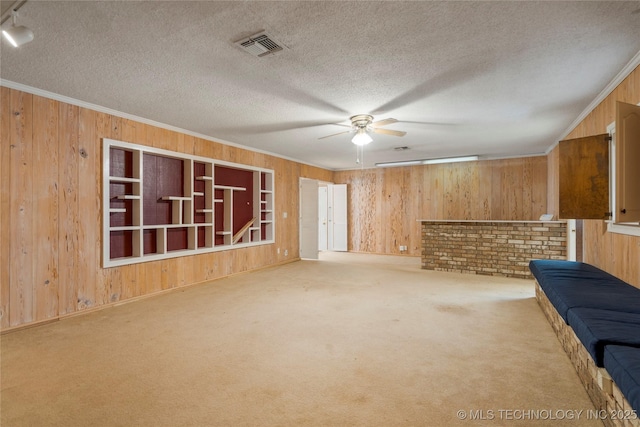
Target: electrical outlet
[[278, 251], [286, 252]]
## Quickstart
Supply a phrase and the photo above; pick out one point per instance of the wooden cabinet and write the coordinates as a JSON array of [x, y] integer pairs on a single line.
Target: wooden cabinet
[[627, 152], [160, 204], [584, 178]]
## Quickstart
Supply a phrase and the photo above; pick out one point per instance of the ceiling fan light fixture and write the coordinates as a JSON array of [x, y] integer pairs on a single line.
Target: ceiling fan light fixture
[[361, 137], [17, 35]]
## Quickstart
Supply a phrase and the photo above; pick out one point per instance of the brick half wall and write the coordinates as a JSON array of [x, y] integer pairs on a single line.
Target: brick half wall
[[495, 248]]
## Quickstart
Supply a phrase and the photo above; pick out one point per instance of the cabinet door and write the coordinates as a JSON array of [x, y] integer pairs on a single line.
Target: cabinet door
[[627, 160], [584, 177]]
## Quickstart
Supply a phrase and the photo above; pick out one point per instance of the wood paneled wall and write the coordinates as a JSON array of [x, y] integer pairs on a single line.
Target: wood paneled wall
[[385, 204], [616, 253], [50, 221]]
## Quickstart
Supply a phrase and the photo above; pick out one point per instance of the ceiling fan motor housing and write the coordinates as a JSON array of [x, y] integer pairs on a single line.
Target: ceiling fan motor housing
[[361, 121]]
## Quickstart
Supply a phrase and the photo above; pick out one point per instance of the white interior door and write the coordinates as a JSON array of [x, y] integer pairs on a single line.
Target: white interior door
[[323, 219], [337, 217], [308, 219]]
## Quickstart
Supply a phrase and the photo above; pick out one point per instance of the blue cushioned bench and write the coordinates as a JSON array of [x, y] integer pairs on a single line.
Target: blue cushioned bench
[[623, 364], [597, 328], [600, 313], [575, 284]]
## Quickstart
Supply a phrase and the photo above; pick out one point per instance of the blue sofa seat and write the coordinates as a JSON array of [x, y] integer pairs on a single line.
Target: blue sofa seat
[[623, 364], [597, 328], [570, 285], [603, 312]]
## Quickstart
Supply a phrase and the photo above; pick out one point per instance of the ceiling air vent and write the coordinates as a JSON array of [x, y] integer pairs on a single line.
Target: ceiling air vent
[[405, 148], [260, 45]]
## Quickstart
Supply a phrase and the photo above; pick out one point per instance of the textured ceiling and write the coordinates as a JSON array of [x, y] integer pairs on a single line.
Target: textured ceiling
[[495, 79]]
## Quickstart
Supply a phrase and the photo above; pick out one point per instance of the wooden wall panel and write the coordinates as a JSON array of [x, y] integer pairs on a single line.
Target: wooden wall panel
[[45, 207], [89, 200], [50, 221], [362, 198], [69, 177], [5, 203], [21, 297], [616, 253], [386, 204]]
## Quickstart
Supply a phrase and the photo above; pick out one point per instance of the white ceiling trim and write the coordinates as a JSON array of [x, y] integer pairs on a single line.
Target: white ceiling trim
[[623, 74], [101, 109]]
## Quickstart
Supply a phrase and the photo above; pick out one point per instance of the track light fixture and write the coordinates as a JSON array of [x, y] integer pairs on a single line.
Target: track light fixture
[[17, 35]]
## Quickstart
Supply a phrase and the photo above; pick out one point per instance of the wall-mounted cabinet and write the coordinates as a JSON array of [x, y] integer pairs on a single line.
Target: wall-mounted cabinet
[[160, 204], [584, 178], [599, 179], [627, 172]]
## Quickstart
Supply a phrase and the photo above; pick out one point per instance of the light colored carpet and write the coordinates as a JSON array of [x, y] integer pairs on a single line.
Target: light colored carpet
[[350, 340]]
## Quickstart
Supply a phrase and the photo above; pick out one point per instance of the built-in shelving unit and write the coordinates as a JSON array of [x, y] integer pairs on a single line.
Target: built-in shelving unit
[[161, 204]]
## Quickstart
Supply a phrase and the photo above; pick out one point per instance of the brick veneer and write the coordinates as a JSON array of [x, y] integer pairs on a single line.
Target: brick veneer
[[500, 248]]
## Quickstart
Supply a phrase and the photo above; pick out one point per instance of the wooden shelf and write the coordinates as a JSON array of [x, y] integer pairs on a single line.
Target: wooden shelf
[[123, 179], [204, 195], [228, 187], [176, 198], [125, 228]]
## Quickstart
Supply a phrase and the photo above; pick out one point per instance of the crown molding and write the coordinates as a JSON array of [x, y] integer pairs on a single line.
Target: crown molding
[[623, 74], [101, 109]]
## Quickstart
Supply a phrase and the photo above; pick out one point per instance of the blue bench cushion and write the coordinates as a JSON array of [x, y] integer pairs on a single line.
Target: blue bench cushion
[[623, 364], [597, 328], [570, 284]]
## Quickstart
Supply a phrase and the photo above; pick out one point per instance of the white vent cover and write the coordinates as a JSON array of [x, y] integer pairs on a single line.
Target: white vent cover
[[260, 45]]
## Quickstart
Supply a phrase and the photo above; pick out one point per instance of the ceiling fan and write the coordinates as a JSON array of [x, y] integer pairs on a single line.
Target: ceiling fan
[[362, 124]]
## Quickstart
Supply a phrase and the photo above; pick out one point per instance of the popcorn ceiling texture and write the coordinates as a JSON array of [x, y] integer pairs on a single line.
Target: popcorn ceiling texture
[[494, 78], [491, 248]]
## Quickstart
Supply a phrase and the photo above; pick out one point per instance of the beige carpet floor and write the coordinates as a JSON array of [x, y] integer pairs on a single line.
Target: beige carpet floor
[[349, 340]]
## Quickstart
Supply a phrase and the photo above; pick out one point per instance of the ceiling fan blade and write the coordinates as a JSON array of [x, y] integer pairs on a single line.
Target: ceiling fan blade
[[389, 132], [384, 122], [334, 134]]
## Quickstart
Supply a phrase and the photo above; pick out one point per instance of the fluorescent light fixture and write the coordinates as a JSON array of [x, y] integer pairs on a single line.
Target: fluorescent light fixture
[[392, 164], [450, 160], [17, 35], [361, 137], [428, 161]]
